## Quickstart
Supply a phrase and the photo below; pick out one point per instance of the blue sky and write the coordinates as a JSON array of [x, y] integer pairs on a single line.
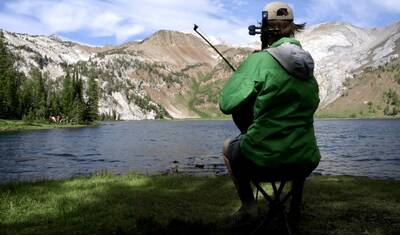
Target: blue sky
[[101, 22]]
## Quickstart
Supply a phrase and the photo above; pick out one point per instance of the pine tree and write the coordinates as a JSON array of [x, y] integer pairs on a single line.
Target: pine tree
[[67, 98], [39, 95], [26, 97], [54, 100], [78, 113], [93, 100], [55, 104], [77, 86], [10, 81]]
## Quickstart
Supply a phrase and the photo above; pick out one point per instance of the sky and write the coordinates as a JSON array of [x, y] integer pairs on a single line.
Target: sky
[[113, 22]]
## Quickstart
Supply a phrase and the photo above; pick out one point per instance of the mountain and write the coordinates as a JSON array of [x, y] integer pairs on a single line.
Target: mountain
[[341, 51], [373, 93], [178, 75], [174, 48]]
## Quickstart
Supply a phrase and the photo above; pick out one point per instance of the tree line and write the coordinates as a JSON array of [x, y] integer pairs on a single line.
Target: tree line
[[40, 97]]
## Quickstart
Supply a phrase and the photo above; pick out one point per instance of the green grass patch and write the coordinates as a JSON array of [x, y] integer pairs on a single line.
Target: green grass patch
[[132, 204], [356, 112], [204, 98], [19, 125]]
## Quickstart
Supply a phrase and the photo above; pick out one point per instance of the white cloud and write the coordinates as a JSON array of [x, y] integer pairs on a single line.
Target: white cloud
[[358, 12], [123, 33], [389, 5], [17, 23], [121, 19], [124, 19], [240, 3]]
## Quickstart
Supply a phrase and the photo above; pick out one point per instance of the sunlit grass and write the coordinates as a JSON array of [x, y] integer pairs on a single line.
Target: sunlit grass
[[19, 125], [133, 204]]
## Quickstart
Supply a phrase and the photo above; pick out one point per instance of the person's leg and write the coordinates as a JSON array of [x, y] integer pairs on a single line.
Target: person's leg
[[237, 167], [227, 163]]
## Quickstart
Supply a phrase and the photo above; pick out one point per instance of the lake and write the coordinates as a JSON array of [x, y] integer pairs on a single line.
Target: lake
[[348, 147]]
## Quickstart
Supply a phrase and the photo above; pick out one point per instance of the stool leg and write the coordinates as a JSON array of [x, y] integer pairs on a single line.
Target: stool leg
[[297, 197], [256, 194], [288, 229]]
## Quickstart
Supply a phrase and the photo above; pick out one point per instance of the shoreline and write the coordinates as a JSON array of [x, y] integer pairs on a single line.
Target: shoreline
[[356, 118], [8, 126], [135, 204], [230, 119]]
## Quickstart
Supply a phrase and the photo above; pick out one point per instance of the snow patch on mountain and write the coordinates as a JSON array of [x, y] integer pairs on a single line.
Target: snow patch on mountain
[[342, 50]]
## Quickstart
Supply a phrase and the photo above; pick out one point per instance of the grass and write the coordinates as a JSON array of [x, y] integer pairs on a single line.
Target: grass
[[133, 204], [203, 99], [19, 125]]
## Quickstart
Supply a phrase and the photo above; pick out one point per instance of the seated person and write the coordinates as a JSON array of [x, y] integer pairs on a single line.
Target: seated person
[[272, 97]]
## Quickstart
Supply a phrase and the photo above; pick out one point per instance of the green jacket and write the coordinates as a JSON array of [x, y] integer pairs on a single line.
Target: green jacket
[[283, 92]]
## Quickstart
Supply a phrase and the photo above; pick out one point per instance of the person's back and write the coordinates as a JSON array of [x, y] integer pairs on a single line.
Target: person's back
[[286, 97], [278, 86]]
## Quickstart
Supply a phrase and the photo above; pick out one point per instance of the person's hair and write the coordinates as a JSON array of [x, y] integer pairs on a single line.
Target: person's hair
[[286, 28], [279, 29]]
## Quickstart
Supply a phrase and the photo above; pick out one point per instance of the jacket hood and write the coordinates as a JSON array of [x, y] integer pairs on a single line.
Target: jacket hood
[[296, 61]]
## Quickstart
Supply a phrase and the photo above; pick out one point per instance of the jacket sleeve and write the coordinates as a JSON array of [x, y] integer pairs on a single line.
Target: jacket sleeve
[[240, 86]]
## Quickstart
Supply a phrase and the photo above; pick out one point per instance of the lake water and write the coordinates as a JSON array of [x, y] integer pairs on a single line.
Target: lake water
[[348, 147]]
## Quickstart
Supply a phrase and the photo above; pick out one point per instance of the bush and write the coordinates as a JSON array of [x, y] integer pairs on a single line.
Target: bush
[[28, 118], [397, 77]]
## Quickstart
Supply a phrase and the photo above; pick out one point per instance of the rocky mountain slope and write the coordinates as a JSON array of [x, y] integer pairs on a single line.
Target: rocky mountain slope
[[178, 75], [341, 51], [374, 93]]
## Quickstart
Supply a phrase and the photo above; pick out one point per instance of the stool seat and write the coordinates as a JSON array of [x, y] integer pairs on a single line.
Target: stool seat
[[287, 173]]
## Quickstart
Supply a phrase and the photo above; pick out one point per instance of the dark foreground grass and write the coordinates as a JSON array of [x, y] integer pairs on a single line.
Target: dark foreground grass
[[133, 204]]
